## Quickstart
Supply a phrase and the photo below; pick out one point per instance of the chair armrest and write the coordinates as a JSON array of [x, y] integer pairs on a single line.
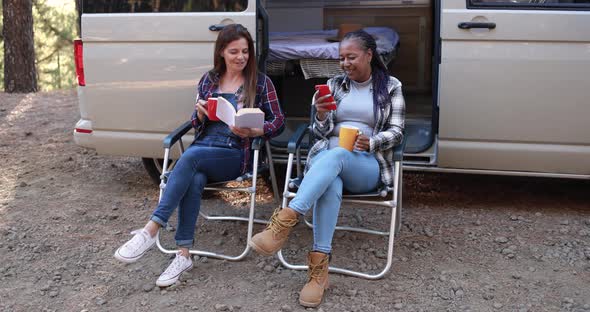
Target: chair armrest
[[177, 134], [295, 140], [257, 143], [398, 150]]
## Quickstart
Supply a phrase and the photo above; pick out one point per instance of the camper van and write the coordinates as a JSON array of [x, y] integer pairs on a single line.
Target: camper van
[[491, 86]]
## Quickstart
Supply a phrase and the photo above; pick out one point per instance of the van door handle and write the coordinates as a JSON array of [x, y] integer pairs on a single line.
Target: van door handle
[[469, 25], [216, 27]]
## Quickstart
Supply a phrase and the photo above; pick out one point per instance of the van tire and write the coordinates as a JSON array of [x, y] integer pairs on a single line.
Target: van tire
[[153, 170], [153, 166]]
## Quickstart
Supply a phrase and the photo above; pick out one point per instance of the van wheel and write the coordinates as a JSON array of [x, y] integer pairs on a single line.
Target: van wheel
[[153, 166]]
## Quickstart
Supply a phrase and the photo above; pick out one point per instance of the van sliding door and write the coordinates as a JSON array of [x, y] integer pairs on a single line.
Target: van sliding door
[[514, 81], [143, 60]]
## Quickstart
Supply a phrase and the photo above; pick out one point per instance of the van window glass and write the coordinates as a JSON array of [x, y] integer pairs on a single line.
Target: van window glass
[[323, 3], [533, 4], [155, 6]]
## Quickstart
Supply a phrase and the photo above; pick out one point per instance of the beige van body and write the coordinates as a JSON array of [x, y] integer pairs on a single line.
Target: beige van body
[[514, 98], [141, 73], [507, 100]]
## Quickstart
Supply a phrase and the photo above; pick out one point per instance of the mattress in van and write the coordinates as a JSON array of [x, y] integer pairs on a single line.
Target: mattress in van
[[285, 46]]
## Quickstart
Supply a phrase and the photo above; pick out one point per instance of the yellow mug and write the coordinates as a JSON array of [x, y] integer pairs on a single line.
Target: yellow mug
[[347, 137]]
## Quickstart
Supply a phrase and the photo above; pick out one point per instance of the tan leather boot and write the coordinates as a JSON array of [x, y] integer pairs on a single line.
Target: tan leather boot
[[269, 241], [317, 280]]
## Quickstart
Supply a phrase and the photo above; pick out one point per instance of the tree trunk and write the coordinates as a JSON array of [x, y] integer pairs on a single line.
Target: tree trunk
[[79, 17], [20, 74]]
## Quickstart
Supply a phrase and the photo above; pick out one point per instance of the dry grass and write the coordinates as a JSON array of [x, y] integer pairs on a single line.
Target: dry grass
[[264, 194]]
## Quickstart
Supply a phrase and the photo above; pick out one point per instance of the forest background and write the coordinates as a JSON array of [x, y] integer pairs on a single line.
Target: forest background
[[55, 27]]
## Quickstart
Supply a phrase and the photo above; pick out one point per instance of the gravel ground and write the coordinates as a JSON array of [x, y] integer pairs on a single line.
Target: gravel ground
[[468, 243]]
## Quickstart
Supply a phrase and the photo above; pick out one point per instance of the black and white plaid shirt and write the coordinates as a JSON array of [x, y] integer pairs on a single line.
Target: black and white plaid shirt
[[387, 133]]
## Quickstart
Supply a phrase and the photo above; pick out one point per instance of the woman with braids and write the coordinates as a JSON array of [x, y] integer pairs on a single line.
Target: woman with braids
[[366, 98], [219, 153]]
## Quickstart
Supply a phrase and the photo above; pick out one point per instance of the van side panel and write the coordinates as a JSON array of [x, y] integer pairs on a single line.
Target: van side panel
[[152, 86], [141, 72], [514, 97]]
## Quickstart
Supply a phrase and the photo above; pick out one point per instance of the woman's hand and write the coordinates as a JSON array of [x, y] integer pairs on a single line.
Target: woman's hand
[[246, 132], [201, 107], [362, 143], [321, 105]]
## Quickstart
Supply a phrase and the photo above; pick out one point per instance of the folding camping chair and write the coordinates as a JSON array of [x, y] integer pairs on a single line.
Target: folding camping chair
[[259, 167], [394, 203]]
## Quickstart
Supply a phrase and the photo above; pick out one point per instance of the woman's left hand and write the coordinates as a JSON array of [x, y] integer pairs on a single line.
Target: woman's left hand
[[246, 132], [362, 143]]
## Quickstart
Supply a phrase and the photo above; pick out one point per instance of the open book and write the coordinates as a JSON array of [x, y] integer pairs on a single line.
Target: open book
[[243, 118]]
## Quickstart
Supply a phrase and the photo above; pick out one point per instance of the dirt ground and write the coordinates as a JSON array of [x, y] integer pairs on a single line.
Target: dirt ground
[[468, 243]]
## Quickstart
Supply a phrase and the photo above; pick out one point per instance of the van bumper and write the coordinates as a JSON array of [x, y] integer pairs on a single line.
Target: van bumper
[[83, 134], [124, 143]]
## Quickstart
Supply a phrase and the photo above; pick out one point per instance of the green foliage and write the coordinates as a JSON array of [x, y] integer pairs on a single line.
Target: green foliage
[[54, 30]]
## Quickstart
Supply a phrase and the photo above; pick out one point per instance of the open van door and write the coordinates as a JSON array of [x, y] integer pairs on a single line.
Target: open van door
[[142, 61], [513, 85]]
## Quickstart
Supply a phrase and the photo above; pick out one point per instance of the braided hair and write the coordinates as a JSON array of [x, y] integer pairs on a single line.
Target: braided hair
[[379, 72]]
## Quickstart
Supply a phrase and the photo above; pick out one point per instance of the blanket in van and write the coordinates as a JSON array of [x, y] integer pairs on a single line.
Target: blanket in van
[[284, 46]]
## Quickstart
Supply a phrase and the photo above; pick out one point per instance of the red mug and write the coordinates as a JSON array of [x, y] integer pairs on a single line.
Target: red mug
[[325, 90], [212, 108]]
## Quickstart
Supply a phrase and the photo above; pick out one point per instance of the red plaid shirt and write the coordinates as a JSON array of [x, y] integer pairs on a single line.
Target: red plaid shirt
[[266, 100]]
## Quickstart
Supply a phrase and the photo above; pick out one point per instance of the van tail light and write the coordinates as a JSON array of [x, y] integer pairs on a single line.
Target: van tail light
[[80, 130], [79, 60]]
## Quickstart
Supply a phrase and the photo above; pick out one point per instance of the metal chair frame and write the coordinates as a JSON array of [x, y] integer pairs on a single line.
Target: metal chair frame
[[394, 203], [176, 137]]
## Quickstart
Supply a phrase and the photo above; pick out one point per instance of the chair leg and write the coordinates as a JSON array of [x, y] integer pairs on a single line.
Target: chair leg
[[246, 250], [287, 177], [275, 190], [210, 254], [273, 176], [398, 224], [351, 229], [230, 218], [348, 272], [395, 205], [163, 175]]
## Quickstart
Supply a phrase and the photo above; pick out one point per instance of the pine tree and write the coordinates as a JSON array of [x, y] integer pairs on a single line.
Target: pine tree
[[55, 30], [20, 74]]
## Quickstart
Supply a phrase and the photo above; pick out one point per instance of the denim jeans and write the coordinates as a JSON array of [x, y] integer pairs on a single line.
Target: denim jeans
[[197, 166], [332, 171], [217, 133]]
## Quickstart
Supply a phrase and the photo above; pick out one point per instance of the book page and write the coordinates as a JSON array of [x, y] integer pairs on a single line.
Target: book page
[[225, 111], [250, 118]]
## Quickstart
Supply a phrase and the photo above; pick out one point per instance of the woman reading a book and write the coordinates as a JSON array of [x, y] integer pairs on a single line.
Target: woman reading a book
[[219, 152], [366, 98]]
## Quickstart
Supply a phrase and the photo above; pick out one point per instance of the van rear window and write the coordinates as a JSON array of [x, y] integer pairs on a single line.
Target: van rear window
[[156, 6]]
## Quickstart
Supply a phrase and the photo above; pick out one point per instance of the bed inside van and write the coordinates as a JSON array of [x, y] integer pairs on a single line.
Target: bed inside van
[[303, 52]]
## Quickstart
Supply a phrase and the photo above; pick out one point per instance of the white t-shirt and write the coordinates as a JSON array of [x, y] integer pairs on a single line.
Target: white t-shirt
[[355, 109]]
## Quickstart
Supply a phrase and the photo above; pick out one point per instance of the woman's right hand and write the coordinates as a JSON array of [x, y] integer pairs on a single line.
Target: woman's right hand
[[201, 107], [322, 104]]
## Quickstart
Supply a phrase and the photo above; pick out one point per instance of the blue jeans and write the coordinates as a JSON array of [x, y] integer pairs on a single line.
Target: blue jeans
[[197, 166], [333, 170]]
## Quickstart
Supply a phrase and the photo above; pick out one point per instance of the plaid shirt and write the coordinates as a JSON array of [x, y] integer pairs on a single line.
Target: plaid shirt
[[387, 133], [266, 100]]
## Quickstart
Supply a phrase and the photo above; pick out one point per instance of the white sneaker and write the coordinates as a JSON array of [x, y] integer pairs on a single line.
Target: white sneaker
[[179, 265], [136, 247]]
